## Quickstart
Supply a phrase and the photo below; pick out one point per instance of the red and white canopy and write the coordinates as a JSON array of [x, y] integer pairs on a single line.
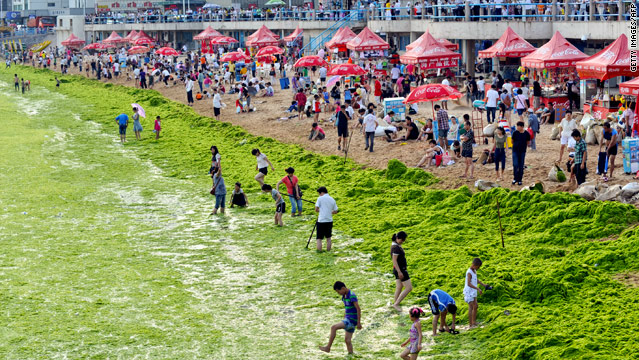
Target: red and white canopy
[[131, 36], [610, 62], [341, 37], [308, 61], [167, 51], [97, 46], [262, 37], [629, 87], [293, 35], [268, 51], [556, 53], [367, 40], [432, 92], [114, 38], [223, 40], [429, 54], [346, 70], [73, 42], [207, 34], [138, 50], [508, 45], [234, 56], [443, 42]]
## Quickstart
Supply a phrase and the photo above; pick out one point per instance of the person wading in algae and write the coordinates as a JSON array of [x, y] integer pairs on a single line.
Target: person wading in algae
[[402, 279]]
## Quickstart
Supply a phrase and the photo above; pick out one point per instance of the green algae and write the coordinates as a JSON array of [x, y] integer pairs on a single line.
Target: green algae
[[555, 282]]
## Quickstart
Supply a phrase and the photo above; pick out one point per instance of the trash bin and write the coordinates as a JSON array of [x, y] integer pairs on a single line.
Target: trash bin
[[284, 83]]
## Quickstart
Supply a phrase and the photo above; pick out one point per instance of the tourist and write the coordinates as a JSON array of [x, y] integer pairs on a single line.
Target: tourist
[[352, 318], [123, 122], [317, 133], [442, 126], [520, 104], [189, 90], [300, 97], [342, 127], [506, 99], [16, 82], [57, 83], [446, 82], [403, 285], [440, 305], [293, 191], [262, 166], [629, 118], [215, 162], [317, 108], [500, 152], [432, 152], [370, 125], [533, 128], [217, 104], [280, 205], [326, 207], [412, 133], [521, 140], [238, 197], [537, 92], [219, 190], [567, 125], [467, 150], [377, 95], [492, 96], [427, 131], [471, 290], [548, 114], [415, 336], [609, 140], [581, 156], [158, 127]]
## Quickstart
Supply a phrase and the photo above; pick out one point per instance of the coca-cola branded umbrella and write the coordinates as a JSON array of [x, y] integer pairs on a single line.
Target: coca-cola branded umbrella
[[346, 70], [223, 40], [138, 50], [269, 50], [432, 93], [309, 61], [234, 56], [167, 51], [144, 40], [96, 46]]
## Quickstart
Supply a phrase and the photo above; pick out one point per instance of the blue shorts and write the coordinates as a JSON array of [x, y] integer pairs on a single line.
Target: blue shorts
[[349, 325], [219, 201], [442, 133], [122, 129], [520, 111]]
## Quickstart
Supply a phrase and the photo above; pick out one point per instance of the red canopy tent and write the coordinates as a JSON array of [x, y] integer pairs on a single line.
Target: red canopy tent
[[341, 37], [610, 62], [131, 36], [262, 37], [293, 35], [428, 52], [367, 40], [443, 42], [508, 45], [630, 87], [557, 52], [73, 42], [114, 38], [207, 34]]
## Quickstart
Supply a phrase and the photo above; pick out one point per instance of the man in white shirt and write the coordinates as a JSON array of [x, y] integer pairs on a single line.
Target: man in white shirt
[[370, 124], [326, 207], [165, 75], [189, 90], [508, 86], [492, 96], [446, 81], [322, 74], [217, 104]]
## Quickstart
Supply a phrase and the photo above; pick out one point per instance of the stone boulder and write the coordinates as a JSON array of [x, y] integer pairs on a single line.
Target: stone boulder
[[587, 191], [485, 185], [630, 190], [611, 194]]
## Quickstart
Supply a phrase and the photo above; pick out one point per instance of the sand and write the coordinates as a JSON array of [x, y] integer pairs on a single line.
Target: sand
[[266, 121]]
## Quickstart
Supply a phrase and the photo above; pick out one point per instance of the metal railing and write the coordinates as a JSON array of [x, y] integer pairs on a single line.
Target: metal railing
[[326, 35], [26, 32]]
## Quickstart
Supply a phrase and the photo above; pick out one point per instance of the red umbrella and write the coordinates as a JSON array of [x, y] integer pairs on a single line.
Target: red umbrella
[[381, 72], [269, 50], [96, 46], [308, 61], [223, 40], [167, 51], [432, 92], [234, 56], [346, 70], [138, 50], [143, 40], [73, 41]]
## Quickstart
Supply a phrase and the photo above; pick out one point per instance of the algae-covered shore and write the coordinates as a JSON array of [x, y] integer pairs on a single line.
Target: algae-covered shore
[[555, 295]]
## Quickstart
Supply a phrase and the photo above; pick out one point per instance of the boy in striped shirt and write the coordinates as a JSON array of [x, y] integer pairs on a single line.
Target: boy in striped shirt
[[351, 320]]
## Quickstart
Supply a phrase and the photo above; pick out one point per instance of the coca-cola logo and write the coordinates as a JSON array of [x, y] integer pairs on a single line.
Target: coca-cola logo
[[499, 45], [566, 52], [516, 46], [565, 63], [607, 55], [543, 51], [435, 50], [625, 61]]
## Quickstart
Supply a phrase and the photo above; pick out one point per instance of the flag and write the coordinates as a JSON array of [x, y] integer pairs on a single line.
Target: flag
[[20, 42]]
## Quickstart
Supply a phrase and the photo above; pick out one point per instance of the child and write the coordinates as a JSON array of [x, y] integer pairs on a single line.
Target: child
[[293, 107], [440, 305], [415, 338], [157, 127], [317, 107], [280, 205], [238, 197], [327, 100], [262, 166], [317, 133], [352, 318], [456, 149], [470, 291]]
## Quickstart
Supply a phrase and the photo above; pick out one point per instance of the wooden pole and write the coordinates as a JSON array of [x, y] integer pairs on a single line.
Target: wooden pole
[[501, 230]]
